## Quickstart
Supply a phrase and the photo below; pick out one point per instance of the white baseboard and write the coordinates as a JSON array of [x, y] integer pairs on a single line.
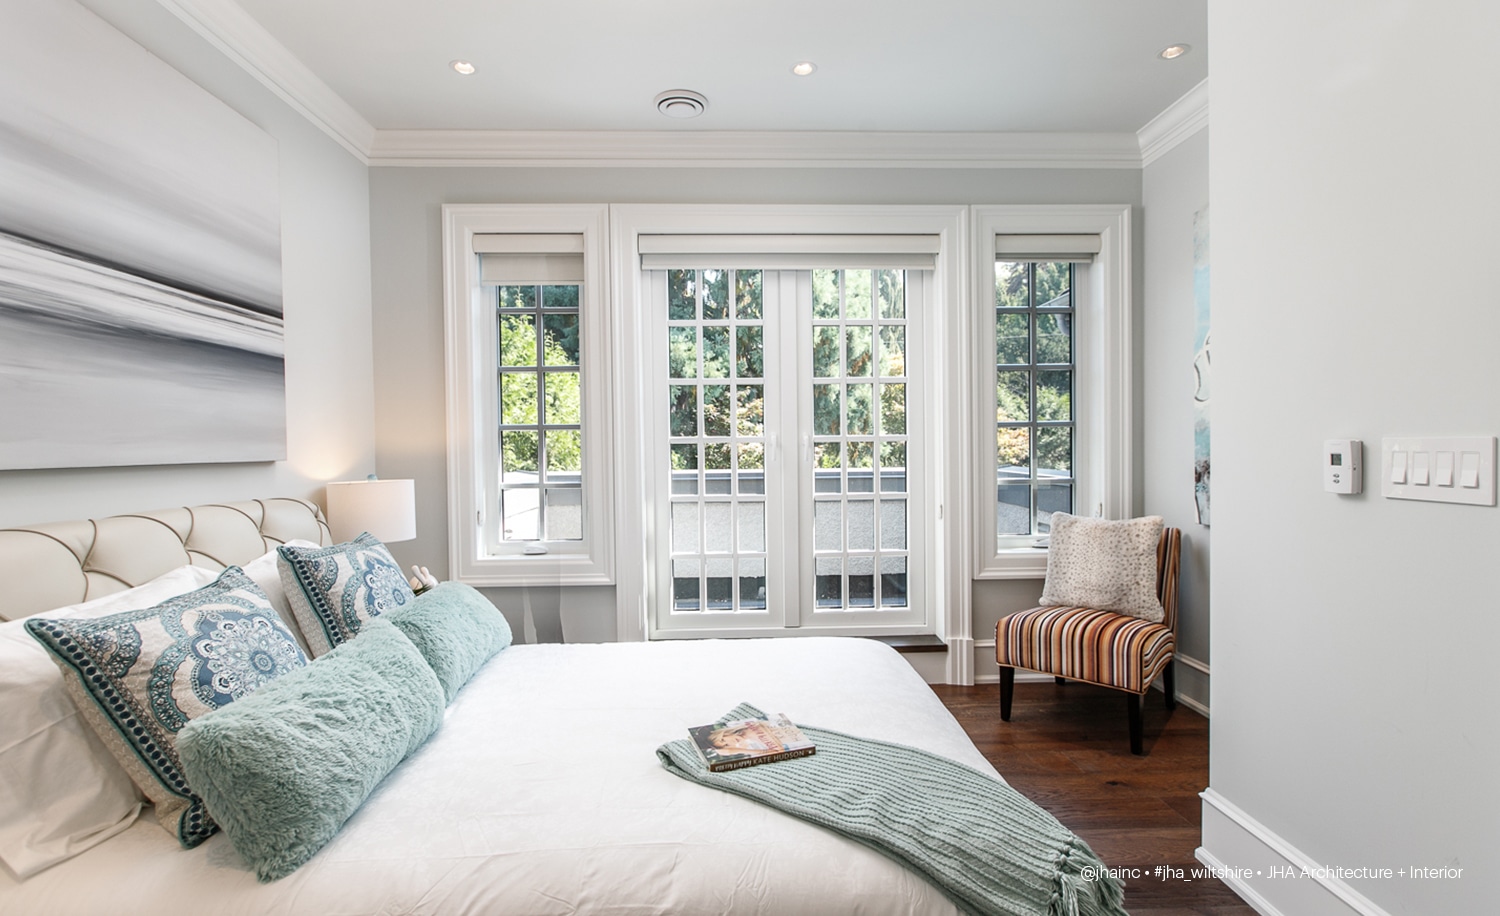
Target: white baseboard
[[1193, 704], [1245, 855]]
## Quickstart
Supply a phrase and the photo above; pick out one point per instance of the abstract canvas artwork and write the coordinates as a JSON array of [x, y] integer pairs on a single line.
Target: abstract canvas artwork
[[1201, 344], [140, 257]]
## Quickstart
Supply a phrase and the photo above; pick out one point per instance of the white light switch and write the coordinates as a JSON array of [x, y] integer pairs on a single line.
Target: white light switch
[[1469, 472], [1443, 472], [1398, 467], [1419, 468], [1440, 469]]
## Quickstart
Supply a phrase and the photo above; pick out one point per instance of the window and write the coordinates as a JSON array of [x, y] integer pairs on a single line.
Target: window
[[1034, 422], [530, 469], [541, 412], [780, 375], [822, 537], [716, 440], [1052, 364]]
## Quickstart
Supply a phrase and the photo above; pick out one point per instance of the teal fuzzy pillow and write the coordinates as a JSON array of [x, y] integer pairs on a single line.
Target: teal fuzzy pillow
[[283, 773], [456, 629]]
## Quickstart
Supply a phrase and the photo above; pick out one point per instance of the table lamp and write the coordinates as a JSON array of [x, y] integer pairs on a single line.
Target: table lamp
[[385, 508]]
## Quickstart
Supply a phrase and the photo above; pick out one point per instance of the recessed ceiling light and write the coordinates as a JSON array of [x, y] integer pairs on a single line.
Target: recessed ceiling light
[[1172, 52], [805, 68], [462, 66], [681, 103]]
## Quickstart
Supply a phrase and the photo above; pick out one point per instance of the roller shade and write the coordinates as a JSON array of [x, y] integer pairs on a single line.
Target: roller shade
[[1076, 248], [516, 259], [788, 252]]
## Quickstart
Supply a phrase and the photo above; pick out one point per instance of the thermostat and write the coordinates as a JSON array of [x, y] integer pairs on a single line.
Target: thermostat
[[1343, 463]]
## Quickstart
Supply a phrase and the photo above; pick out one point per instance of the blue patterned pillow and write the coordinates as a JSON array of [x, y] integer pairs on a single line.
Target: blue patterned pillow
[[334, 590], [138, 677]]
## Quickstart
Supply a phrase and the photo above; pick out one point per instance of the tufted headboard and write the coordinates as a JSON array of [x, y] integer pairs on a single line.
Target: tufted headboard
[[60, 563]]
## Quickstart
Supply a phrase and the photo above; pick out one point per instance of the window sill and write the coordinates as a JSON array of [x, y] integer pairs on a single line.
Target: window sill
[[1015, 563], [523, 571]]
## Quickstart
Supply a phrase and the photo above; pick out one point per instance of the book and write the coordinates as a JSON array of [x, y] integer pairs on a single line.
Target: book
[[749, 742]]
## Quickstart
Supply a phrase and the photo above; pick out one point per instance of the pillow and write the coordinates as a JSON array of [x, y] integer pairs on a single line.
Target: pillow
[[284, 768], [1103, 564], [456, 629], [139, 676], [265, 571], [334, 590], [61, 791]]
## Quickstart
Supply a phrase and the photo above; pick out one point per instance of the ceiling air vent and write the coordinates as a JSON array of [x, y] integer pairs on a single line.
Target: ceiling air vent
[[681, 103]]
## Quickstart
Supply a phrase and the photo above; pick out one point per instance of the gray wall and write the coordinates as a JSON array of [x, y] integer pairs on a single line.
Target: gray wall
[[326, 277], [406, 251], [1174, 188], [1355, 186]]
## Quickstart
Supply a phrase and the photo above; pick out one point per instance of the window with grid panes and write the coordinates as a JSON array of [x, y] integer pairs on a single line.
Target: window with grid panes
[[527, 347], [541, 422], [716, 409], [859, 438], [813, 366], [1035, 423]]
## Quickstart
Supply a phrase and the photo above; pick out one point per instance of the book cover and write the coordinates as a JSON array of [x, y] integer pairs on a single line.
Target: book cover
[[748, 742]]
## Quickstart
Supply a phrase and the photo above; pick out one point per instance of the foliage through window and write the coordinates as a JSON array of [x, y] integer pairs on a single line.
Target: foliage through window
[[1035, 422], [541, 417]]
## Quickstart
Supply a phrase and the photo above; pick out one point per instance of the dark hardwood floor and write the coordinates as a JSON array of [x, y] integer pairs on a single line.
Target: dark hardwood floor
[[1067, 747]]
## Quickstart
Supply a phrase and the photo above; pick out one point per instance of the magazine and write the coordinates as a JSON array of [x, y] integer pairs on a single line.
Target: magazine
[[748, 742]]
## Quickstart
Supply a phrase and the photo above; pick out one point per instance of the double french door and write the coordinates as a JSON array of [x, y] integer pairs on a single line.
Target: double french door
[[786, 439]]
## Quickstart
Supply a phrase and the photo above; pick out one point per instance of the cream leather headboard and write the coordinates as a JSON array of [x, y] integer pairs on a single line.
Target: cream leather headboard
[[47, 566]]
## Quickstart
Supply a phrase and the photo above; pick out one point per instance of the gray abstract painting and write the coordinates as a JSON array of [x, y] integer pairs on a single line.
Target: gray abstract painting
[[140, 257]]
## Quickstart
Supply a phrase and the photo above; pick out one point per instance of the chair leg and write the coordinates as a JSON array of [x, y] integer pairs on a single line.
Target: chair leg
[[1007, 690], [1060, 680], [1135, 701], [1169, 684]]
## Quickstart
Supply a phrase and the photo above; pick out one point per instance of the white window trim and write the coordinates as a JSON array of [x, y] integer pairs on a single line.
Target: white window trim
[[473, 449], [1104, 383], [949, 588]]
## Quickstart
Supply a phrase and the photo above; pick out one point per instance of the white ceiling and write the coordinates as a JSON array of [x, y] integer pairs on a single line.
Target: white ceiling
[[883, 65]]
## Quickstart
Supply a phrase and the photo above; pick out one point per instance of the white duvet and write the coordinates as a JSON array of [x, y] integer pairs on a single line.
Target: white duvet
[[542, 794]]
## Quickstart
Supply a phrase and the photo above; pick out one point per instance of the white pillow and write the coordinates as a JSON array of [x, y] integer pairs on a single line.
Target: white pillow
[[263, 572], [1103, 564], [61, 791]]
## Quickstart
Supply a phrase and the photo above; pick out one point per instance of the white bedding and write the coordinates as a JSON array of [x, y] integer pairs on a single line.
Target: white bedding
[[542, 794]]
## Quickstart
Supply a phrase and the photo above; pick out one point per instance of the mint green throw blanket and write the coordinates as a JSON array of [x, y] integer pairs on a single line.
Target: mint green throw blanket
[[991, 850]]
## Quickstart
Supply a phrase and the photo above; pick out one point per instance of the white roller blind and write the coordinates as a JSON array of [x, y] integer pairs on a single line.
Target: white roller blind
[[788, 252], [1076, 248], [516, 259]]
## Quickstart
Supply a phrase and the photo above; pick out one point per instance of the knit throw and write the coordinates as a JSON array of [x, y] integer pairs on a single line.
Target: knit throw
[[989, 849]]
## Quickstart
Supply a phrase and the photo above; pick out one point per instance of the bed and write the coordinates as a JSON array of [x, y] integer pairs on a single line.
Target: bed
[[540, 793]]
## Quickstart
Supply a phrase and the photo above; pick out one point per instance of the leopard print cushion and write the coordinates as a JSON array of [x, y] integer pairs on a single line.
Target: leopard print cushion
[[1103, 564]]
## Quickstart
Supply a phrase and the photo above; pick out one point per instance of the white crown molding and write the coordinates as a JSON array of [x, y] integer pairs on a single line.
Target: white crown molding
[[750, 149], [225, 25], [1176, 123]]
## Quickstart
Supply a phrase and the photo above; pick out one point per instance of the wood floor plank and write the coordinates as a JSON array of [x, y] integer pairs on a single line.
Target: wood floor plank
[[1067, 748]]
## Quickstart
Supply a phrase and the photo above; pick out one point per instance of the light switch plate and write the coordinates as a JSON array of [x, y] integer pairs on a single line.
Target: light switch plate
[[1483, 446]]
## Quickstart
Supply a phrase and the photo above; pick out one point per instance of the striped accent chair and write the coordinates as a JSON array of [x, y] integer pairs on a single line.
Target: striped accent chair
[[1097, 647]]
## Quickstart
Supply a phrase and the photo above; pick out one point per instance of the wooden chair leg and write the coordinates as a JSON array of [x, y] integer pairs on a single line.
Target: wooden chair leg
[[1007, 691], [1060, 680], [1135, 701], [1169, 684]]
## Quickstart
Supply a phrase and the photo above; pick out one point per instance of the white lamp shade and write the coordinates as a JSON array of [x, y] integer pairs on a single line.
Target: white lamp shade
[[385, 508]]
